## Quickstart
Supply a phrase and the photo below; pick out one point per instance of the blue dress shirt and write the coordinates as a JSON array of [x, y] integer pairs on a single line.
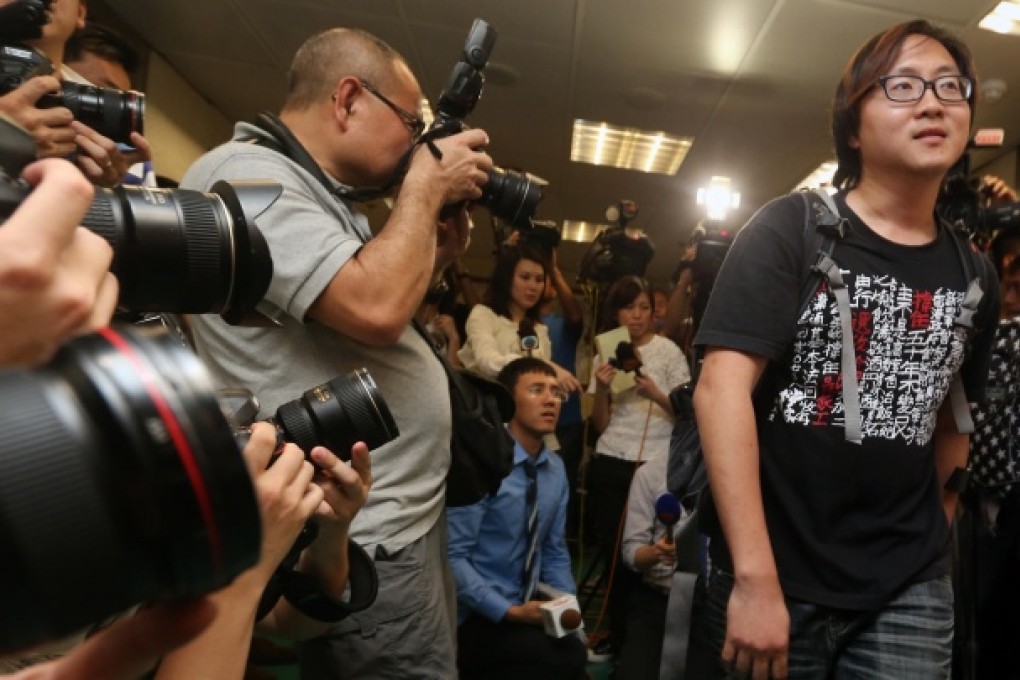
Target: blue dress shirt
[[488, 540]]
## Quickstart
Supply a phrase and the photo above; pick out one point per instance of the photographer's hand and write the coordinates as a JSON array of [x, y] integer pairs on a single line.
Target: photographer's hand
[[54, 275], [286, 495], [50, 127], [102, 160], [459, 175], [997, 190]]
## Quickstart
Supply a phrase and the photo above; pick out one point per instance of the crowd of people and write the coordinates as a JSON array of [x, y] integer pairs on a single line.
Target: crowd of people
[[829, 555]]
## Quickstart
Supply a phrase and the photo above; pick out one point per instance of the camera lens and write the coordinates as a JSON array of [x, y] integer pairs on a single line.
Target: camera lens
[[120, 482], [511, 196], [183, 251], [109, 112], [337, 414]]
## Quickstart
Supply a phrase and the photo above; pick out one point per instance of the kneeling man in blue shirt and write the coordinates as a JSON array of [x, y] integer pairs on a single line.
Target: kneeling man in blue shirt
[[503, 545]]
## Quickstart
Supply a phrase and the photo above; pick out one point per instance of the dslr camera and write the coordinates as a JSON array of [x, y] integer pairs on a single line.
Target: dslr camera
[[174, 250], [109, 112], [509, 195]]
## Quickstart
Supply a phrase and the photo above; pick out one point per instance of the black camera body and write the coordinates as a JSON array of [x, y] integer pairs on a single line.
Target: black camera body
[[109, 112], [510, 195], [23, 19], [962, 204]]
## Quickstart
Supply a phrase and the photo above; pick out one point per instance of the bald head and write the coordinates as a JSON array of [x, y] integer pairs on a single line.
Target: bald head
[[327, 57]]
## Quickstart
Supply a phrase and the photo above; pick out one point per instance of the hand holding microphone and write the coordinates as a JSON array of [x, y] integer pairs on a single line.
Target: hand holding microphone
[[669, 512]]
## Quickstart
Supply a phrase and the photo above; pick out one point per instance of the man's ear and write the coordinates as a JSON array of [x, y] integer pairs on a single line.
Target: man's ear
[[345, 99], [81, 15]]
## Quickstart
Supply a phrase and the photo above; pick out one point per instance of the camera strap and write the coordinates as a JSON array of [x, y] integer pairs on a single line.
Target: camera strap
[[284, 142]]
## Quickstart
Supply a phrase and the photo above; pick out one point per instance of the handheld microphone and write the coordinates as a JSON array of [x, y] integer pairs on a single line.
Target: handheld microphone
[[668, 511]]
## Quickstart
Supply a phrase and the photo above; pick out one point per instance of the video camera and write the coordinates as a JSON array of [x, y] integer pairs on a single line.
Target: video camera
[[175, 250], [619, 250], [510, 195], [963, 203]]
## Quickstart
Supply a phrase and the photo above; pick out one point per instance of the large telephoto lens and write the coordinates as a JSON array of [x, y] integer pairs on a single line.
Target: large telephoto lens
[[111, 113], [511, 196], [120, 482], [184, 251], [337, 414]]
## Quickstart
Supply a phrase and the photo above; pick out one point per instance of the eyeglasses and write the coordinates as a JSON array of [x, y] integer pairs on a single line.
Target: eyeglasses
[[538, 390], [414, 123], [912, 88]]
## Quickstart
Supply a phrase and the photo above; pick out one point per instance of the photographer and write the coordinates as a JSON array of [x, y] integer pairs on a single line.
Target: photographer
[[99, 157], [103, 58], [345, 300]]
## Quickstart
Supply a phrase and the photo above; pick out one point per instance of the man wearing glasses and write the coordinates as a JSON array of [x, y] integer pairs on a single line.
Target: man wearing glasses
[[830, 557], [343, 299], [502, 546]]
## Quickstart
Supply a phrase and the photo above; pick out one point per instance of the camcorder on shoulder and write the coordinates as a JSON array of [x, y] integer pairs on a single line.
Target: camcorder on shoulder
[[619, 250], [510, 195], [175, 250], [109, 112]]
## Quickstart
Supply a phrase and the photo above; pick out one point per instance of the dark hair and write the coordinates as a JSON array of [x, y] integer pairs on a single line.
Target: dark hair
[[872, 61], [621, 293], [513, 371], [102, 41], [497, 297]]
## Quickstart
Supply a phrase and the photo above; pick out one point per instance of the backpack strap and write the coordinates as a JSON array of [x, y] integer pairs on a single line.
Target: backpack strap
[[822, 214], [965, 319]]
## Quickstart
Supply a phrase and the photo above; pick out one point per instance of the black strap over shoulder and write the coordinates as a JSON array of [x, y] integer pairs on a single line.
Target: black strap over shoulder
[[284, 142]]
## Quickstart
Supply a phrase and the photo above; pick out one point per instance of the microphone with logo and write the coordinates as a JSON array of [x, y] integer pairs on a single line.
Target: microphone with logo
[[668, 511]]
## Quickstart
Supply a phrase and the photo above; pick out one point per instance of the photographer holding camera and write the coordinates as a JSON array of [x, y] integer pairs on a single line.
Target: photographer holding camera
[[343, 299], [98, 156]]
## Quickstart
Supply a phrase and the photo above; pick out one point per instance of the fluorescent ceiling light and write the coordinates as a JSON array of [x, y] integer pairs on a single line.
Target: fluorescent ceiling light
[[582, 232], [627, 148], [1005, 18], [821, 177]]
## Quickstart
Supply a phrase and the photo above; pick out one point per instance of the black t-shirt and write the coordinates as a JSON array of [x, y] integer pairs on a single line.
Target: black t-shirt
[[850, 524]]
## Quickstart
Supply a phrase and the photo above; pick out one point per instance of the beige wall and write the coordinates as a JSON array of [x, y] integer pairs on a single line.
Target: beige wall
[[179, 123]]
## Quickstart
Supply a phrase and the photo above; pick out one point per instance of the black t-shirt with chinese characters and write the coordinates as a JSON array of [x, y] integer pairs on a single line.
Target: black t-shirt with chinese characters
[[850, 524]]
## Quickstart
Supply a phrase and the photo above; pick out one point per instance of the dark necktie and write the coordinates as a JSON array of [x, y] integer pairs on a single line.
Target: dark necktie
[[530, 562]]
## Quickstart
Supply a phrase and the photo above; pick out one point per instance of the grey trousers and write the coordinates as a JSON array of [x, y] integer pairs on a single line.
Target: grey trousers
[[410, 630]]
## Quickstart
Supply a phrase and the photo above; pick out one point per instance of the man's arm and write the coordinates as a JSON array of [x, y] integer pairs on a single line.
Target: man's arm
[[757, 621], [374, 295], [464, 524], [573, 313], [951, 450]]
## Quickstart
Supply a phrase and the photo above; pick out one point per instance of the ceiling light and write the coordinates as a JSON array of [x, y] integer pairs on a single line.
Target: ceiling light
[[627, 148], [582, 232], [820, 177], [1005, 18]]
